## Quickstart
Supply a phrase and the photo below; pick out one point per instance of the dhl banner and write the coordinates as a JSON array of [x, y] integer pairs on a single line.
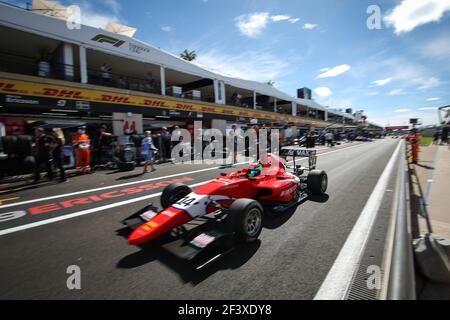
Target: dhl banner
[[82, 94]]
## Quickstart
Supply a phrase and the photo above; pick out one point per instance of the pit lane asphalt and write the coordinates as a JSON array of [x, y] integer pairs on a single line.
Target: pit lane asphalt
[[290, 261]]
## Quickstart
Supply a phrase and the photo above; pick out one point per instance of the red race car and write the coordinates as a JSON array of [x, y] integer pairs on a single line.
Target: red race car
[[233, 206]]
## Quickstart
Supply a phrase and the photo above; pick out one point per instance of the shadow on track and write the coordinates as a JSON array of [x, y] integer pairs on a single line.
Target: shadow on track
[[132, 176], [322, 198], [236, 258]]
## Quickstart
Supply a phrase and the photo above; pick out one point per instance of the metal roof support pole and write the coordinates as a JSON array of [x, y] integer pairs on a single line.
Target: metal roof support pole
[[216, 91], [254, 100], [219, 92], [83, 65], [326, 115], [275, 106], [294, 108], [162, 72], [224, 92], [68, 61]]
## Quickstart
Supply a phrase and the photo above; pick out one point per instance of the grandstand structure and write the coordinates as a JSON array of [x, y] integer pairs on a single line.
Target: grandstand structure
[[51, 68]]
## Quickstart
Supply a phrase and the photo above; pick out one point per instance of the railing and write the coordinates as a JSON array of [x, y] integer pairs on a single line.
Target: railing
[[119, 81], [13, 63], [36, 67], [402, 276]]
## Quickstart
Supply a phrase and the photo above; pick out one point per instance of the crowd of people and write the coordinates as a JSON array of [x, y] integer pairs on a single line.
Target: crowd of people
[[94, 153], [329, 137], [97, 149]]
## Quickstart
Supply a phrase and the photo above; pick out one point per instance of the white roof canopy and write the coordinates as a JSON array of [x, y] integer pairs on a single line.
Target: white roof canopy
[[50, 8], [120, 29], [53, 28]]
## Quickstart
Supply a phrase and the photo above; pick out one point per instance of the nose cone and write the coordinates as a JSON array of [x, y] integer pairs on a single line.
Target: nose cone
[[162, 223]]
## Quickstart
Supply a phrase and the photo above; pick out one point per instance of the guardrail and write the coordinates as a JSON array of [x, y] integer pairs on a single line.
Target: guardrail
[[402, 285]]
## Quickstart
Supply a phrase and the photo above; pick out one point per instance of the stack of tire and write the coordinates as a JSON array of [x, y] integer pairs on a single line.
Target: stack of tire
[[19, 158]]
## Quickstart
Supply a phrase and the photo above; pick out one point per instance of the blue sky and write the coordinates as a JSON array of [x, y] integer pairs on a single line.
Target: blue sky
[[399, 71]]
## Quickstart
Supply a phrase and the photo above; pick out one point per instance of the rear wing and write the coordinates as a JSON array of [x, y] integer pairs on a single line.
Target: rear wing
[[311, 154]]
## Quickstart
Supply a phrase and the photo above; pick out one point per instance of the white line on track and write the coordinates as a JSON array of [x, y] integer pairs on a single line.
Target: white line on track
[[110, 206], [134, 182], [85, 212], [107, 187], [339, 278]]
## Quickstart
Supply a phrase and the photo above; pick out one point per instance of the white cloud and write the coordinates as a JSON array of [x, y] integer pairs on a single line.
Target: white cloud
[[438, 48], [397, 92], [334, 72], [383, 82], [428, 83], [309, 26], [401, 110], [113, 5], [283, 17], [433, 99], [251, 25], [249, 65], [373, 93], [324, 69], [323, 92], [280, 17], [409, 77], [90, 17], [410, 14], [167, 28], [424, 109]]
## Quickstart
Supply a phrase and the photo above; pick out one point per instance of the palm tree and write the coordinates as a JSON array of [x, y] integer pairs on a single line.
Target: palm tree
[[188, 55]]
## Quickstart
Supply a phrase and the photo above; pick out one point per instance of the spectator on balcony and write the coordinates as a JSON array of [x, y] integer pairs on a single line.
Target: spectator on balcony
[[44, 67], [121, 83], [105, 73], [150, 82], [236, 99]]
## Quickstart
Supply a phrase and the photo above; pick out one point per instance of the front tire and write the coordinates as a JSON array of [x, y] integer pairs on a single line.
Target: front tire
[[174, 192], [317, 182], [245, 219]]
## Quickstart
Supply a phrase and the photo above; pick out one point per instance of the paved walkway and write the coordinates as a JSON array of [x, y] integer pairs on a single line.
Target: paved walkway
[[433, 173], [430, 181]]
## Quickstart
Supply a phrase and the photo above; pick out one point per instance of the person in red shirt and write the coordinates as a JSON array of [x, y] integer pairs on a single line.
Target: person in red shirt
[[82, 145]]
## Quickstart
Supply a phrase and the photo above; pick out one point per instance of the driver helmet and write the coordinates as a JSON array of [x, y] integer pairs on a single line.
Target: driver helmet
[[255, 170]]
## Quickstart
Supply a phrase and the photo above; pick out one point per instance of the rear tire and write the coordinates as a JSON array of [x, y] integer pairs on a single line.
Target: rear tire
[[317, 182], [245, 219], [174, 192]]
